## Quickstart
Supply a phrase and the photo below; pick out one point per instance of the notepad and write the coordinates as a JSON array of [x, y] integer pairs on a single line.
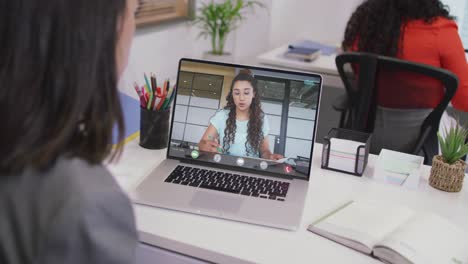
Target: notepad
[[343, 154], [312, 45], [393, 233], [398, 168], [303, 54]]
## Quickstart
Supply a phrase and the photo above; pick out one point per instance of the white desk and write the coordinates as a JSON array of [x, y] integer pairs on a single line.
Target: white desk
[[324, 65], [223, 241]]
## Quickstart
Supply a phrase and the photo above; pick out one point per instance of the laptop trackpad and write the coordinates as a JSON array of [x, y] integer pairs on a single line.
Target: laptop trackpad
[[213, 201]]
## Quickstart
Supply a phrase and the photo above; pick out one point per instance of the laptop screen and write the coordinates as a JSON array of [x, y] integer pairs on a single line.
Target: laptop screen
[[245, 118]]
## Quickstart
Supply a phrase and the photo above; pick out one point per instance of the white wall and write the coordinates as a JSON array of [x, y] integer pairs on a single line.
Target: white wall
[[459, 9], [456, 8], [252, 37], [323, 21], [158, 49]]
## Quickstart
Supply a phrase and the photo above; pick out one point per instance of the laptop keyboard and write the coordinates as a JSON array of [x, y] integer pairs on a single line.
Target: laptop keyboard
[[228, 182]]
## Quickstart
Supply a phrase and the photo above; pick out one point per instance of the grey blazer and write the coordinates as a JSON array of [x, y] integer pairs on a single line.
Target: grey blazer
[[71, 213]]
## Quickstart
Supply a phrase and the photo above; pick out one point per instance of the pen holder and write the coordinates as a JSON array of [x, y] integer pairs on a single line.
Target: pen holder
[[346, 151], [154, 128]]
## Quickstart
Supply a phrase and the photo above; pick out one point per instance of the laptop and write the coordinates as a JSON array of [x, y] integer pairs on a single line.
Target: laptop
[[265, 185]]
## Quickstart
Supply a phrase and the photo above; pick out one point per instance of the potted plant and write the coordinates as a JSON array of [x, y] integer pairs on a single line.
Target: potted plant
[[217, 20], [448, 170]]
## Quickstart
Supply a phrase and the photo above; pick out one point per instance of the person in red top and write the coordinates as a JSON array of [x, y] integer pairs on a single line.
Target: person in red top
[[415, 30]]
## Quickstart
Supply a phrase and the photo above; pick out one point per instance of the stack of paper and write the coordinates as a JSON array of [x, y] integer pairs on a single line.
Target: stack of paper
[[398, 168], [308, 45], [343, 154]]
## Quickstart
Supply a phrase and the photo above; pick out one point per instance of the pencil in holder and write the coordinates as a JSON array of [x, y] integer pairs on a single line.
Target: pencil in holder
[[154, 128], [346, 151]]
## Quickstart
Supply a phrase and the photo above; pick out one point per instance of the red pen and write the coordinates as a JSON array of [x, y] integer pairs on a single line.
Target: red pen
[[137, 89], [145, 96], [162, 97], [140, 95], [157, 97], [153, 102], [146, 99]]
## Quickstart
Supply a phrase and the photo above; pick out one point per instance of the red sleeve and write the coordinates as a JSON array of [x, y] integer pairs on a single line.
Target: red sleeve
[[453, 58]]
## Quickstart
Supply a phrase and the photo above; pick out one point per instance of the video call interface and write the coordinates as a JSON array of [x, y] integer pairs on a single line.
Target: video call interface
[[260, 120]]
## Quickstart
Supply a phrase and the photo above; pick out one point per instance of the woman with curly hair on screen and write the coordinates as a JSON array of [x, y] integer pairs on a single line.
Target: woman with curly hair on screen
[[241, 128], [420, 31]]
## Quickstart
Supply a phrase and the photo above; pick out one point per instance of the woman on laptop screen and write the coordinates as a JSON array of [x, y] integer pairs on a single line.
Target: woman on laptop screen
[[241, 128]]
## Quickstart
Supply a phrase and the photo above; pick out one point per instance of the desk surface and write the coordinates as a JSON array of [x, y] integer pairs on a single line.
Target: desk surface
[[224, 241], [324, 63]]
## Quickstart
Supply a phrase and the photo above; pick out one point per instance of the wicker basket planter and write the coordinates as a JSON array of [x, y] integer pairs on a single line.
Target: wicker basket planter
[[447, 177]]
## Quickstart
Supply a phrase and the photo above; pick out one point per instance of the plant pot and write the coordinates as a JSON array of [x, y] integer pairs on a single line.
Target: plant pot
[[225, 57], [447, 177]]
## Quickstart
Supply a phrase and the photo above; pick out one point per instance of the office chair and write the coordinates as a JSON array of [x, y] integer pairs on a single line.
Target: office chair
[[404, 126]]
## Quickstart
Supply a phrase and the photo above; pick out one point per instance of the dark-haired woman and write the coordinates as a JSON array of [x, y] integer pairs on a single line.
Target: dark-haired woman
[[241, 128], [415, 30], [59, 66]]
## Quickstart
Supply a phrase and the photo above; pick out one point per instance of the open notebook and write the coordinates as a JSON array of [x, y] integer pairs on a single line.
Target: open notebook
[[394, 234]]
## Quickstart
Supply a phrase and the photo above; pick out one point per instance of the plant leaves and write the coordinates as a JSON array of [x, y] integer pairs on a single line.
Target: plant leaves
[[453, 146], [217, 20]]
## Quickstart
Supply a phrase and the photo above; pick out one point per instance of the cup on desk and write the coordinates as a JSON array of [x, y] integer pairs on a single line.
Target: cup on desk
[[154, 128]]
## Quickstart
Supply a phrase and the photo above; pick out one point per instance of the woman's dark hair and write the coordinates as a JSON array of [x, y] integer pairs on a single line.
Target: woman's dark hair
[[376, 24], [58, 78], [254, 127]]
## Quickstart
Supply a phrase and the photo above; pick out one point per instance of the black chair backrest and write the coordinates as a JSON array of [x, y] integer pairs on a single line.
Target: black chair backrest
[[363, 95], [361, 91]]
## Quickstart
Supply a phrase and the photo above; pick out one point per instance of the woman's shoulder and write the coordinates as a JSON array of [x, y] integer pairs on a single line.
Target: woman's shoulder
[[219, 118], [88, 190], [91, 179], [437, 23], [221, 114], [89, 183], [65, 176], [93, 184], [443, 22], [70, 187], [95, 210]]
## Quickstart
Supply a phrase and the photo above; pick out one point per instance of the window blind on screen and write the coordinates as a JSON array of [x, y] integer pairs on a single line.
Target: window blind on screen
[[153, 11]]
